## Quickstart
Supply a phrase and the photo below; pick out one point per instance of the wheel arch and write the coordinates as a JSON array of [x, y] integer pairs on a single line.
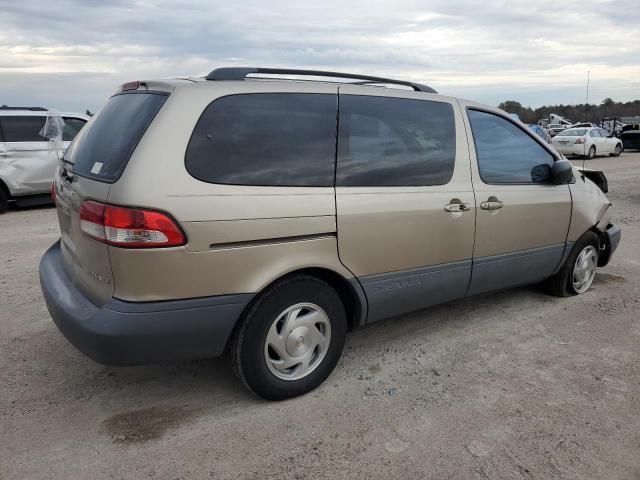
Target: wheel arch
[[350, 292], [4, 188]]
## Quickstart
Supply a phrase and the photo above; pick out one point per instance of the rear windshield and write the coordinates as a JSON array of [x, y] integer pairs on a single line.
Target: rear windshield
[[103, 147], [575, 132]]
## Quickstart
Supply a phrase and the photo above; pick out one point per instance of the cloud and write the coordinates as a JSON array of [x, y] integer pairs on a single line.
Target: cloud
[[70, 55]]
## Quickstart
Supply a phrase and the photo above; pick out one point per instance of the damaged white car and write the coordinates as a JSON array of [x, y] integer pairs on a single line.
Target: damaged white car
[[32, 140]]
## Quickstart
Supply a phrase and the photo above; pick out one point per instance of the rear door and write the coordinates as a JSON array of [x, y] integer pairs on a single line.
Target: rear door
[[28, 162], [522, 219], [404, 201], [96, 159]]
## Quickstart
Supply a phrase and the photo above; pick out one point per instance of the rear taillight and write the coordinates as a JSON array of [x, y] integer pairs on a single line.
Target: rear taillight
[[580, 140], [53, 191], [129, 227]]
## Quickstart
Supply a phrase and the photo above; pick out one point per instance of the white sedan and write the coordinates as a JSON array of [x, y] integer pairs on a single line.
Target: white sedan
[[587, 142]]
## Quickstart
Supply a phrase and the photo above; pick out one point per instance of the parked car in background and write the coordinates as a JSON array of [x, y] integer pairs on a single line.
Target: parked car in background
[[29, 154], [251, 215], [540, 131], [630, 137], [587, 142], [555, 128]]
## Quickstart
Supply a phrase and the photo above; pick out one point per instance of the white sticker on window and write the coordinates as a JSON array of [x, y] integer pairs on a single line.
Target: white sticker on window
[[96, 168]]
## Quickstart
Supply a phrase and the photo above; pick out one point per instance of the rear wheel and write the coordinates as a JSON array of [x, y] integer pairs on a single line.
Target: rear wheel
[[618, 150], [592, 152], [290, 339], [577, 273], [4, 201]]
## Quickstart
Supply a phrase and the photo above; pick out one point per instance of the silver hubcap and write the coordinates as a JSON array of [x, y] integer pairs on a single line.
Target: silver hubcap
[[585, 269], [297, 341]]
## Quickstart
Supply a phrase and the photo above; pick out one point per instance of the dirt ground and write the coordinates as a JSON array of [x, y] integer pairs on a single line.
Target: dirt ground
[[509, 385]]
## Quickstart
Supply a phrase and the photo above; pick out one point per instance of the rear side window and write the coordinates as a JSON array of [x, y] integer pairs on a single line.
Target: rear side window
[[506, 154], [269, 139], [71, 128], [395, 142], [22, 128], [102, 149]]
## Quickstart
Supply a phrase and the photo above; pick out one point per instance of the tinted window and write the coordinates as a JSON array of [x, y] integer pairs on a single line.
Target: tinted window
[[394, 142], [603, 133], [594, 133], [22, 129], [71, 128], [102, 149], [266, 139], [506, 154]]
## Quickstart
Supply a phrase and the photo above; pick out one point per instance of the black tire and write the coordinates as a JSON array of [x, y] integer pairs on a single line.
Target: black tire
[[561, 285], [248, 342], [618, 150], [592, 152], [4, 201]]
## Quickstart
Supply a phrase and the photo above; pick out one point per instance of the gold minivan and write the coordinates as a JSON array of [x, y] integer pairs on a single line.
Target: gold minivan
[[267, 215]]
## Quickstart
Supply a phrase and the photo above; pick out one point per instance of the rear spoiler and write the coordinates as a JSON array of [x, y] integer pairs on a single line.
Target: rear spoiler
[[596, 176]]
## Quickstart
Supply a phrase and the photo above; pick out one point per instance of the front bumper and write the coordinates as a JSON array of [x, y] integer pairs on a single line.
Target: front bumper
[[611, 237], [131, 333]]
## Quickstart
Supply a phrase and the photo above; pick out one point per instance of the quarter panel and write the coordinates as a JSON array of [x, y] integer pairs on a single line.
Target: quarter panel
[[206, 235], [174, 273], [213, 214]]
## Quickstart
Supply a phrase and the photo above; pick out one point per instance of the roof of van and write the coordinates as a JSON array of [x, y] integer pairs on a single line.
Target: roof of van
[[30, 112]]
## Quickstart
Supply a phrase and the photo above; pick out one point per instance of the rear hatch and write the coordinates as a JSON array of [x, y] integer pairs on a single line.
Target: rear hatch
[[95, 159]]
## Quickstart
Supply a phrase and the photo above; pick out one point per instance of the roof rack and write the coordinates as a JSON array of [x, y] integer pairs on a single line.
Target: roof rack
[[240, 73], [33, 109]]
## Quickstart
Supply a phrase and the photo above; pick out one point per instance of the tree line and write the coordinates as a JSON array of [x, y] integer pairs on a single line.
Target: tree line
[[576, 113]]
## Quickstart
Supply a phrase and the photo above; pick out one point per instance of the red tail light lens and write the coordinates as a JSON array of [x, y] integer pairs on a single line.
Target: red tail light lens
[[129, 227], [53, 191]]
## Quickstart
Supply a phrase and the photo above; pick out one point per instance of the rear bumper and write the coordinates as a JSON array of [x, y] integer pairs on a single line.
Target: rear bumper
[[572, 149], [128, 333]]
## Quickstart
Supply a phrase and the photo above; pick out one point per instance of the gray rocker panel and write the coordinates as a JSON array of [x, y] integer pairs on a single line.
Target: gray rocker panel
[[395, 293]]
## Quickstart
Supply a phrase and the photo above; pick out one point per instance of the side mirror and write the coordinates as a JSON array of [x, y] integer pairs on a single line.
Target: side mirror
[[561, 172]]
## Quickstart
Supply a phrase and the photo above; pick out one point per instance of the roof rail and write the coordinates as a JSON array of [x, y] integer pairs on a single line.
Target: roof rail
[[33, 109], [239, 73]]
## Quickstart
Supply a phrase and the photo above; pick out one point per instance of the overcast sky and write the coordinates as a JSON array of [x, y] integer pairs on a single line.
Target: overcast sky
[[70, 55]]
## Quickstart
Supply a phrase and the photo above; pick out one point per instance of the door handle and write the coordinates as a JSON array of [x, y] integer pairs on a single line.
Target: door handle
[[492, 203], [455, 205]]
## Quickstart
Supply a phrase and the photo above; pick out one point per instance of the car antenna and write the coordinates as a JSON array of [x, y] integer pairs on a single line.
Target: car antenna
[[586, 119]]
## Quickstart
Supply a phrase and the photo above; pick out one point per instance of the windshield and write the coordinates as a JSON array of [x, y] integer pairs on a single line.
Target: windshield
[[102, 148], [573, 132]]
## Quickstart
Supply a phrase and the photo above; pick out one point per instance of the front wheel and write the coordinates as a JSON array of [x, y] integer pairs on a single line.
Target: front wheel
[[4, 201], [577, 273], [290, 339]]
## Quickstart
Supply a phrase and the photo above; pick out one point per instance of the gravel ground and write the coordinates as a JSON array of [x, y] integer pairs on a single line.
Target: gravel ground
[[515, 384]]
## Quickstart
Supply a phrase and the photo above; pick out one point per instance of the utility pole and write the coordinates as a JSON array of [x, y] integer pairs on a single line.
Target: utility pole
[[586, 105]]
